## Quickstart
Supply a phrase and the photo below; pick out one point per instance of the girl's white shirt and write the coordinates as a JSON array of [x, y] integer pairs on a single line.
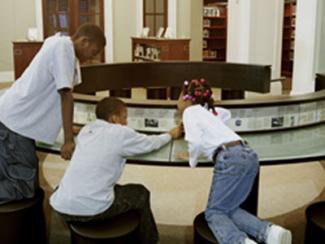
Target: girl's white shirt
[[205, 132]]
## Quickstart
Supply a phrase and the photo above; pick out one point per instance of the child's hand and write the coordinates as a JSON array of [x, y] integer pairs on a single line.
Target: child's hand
[[176, 132], [182, 126], [182, 155], [67, 150]]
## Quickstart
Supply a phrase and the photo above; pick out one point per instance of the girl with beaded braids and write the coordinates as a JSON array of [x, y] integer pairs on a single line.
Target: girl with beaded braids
[[235, 168], [200, 93]]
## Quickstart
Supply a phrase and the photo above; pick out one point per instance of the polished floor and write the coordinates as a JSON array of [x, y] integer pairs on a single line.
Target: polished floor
[[179, 193]]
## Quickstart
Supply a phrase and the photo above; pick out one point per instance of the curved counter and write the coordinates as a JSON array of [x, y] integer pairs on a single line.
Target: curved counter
[[278, 143], [281, 129]]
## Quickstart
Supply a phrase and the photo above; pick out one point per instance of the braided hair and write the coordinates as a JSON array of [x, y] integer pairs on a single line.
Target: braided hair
[[199, 92]]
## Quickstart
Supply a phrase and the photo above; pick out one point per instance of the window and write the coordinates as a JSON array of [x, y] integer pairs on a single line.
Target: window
[[155, 15], [67, 15]]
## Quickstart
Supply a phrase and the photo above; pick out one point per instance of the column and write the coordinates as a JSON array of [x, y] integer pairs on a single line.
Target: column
[[255, 32], [306, 37]]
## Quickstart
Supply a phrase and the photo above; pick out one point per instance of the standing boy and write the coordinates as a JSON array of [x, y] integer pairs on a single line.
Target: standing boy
[[38, 104]]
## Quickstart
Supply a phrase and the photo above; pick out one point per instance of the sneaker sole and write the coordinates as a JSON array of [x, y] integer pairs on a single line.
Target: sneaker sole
[[286, 238]]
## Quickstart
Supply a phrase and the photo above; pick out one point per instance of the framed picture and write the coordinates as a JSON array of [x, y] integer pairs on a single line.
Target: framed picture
[[169, 33], [160, 32], [145, 32], [32, 34]]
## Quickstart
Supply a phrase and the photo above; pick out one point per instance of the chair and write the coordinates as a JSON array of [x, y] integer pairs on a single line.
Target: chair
[[315, 228], [121, 229], [202, 232], [23, 221]]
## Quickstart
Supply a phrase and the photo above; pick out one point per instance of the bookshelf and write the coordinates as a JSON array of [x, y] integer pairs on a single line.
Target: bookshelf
[[288, 38], [160, 49], [214, 30]]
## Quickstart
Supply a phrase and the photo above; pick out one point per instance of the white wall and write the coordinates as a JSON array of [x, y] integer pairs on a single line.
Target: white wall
[[238, 31], [255, 32], [126, 21], [266, 34], [15, 19], [189, 25], [196, 35], [124, 26], [320, 46]]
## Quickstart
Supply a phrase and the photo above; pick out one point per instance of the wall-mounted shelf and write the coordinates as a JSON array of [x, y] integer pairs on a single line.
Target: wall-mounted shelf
[[289, 21], [214, 30]]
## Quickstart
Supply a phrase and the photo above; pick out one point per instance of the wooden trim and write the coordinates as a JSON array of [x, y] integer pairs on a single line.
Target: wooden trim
[[155, 14], [164, 74], [257, 102], [45, 20], [73, 12]]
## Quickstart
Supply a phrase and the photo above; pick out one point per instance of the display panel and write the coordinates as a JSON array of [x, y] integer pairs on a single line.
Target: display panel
[[302, 142], [153, 119]]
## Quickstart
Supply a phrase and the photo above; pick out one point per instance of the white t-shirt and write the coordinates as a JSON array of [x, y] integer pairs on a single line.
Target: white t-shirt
[[204, 131], [32, 105], [87, 187]]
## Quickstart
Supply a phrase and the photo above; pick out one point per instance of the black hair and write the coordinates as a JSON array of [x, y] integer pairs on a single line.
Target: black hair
[[199, 92], [109, 106], [93, 32]]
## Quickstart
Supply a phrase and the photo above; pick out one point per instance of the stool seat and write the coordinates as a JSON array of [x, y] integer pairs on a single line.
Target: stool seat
[[21, 204], [202, 232], [315, 228], [118, 228], [23, 221]]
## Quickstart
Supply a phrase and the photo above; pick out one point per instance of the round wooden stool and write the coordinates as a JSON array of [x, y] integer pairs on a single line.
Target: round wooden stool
[[23, 221], [315, 228], [202, 232], [121, 229]]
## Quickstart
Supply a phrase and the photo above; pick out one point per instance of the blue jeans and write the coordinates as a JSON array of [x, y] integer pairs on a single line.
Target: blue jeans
[[235, 169], [18, 166]]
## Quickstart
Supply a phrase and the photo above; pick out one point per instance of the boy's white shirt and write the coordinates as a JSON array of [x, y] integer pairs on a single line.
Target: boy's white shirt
[[32, 105], [205, 132], [87, 187]]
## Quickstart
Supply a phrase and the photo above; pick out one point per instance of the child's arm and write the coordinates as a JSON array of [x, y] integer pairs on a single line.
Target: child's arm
[[224, 114], [194, 154], [138, 143], [67, 118], [176, 132], [63, 71], [193, 136]]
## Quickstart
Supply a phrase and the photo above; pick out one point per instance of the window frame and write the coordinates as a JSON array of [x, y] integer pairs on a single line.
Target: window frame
[[155, 14], [73, 13]]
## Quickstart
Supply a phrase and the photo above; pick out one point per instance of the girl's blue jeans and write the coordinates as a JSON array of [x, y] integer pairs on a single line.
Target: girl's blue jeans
[[235, 169]]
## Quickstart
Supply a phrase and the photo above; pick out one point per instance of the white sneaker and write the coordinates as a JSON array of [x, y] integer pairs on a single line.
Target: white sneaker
[[249, 241], [278, 235]]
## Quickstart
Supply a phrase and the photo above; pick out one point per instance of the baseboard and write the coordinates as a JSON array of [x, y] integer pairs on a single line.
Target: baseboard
[[6, 76]]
